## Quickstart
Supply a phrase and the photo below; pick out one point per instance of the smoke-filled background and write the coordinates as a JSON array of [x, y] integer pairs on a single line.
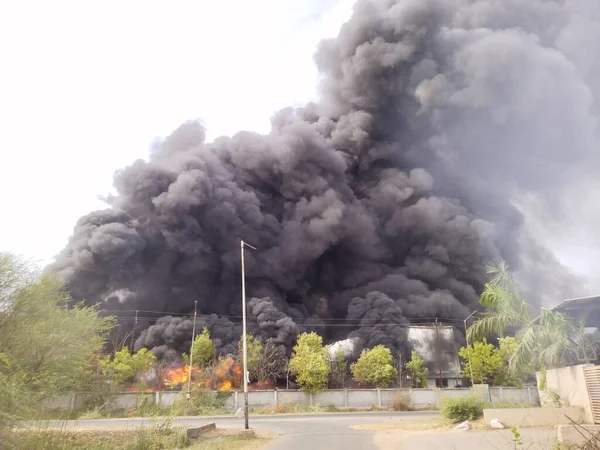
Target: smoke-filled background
[[445, 131]]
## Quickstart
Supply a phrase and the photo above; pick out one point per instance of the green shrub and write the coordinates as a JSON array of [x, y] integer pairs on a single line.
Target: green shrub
[[402, 402], [463, 408], [202, 402]]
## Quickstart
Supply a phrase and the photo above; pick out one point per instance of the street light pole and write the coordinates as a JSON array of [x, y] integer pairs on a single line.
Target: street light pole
[[244, 341], [468, 348], [189, 383]]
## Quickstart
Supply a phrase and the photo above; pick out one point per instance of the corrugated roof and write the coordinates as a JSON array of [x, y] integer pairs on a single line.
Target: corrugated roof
[[578, 303]]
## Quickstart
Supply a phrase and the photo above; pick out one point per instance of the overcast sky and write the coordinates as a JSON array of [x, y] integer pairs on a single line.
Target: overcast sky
[[85, 86]]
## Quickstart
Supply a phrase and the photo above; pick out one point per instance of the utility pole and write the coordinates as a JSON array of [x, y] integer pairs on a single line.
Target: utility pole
[[468, 348], [244, 340], [189, 386], [133, 332], [438, 352]]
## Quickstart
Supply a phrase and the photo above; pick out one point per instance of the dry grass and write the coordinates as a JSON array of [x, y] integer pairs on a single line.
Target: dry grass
[[300, 408], [229, 440], [157, 436], [402, 402]]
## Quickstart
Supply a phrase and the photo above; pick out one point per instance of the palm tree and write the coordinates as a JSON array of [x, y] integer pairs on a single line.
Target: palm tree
[[550, 339]]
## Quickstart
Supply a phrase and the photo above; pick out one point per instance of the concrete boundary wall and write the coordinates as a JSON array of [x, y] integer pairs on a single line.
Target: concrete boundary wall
[[342, 398]]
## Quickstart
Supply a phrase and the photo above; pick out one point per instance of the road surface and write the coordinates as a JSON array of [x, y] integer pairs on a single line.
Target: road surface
[[292, 432], [346, 431]]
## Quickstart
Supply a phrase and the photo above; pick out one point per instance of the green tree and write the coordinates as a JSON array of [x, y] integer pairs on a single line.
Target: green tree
[[47, 342], [485, 361], [309, 363], [518, 376], [417, 370], [550, 339], [123, 366], [374, 367], [254, 350], [339, 367], [203, 349]]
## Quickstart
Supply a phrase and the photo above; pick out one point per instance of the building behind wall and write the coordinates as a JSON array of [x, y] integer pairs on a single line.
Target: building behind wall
[[436, 344]]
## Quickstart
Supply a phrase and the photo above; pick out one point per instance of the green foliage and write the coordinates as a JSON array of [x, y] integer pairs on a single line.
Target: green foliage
[[47, 343], [486, 362], [339, 368], [550, 339], [516, 437], [552, 398], [254, 350], [309, 363], [374, 367], [459, 409], [124, 366], [417, 370], [519, 374], [203, 349], [202, 401]]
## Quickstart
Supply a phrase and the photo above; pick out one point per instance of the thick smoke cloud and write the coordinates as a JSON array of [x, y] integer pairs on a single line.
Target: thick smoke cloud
[[375, 207]]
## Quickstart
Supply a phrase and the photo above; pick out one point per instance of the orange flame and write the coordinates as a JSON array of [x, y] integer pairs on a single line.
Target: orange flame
[[237, 370], [225, 386], [175, 377]]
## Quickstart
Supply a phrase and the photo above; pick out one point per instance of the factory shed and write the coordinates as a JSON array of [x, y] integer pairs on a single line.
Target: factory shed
[[436, 344], [586, 309]]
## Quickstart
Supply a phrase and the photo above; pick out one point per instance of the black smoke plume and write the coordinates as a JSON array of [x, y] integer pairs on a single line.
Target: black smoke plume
[[375, 207]]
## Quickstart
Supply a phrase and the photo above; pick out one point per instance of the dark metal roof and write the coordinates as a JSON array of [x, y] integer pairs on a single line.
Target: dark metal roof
[[592, 302]]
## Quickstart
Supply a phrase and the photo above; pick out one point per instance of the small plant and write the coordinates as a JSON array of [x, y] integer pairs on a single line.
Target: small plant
[[550, 397], [516, 437], [402, 402], [463, 408]]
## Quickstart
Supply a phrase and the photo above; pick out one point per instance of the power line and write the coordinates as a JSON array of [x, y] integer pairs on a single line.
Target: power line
[[322, 320], [319, 324]]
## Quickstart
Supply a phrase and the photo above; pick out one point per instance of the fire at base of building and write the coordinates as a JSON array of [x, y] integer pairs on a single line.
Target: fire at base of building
[[435, 343]]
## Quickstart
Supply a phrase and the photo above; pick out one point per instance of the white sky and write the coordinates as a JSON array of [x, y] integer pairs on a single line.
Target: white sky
[[85, 86]]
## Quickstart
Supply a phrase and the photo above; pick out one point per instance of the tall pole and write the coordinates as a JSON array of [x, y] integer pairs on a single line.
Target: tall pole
[[189, 384], [244, 341], [438, 352], [468, 348], [133, 331]]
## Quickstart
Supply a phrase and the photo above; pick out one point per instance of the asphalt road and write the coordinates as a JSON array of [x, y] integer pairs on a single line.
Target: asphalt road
[[294, 432], [336, 431]]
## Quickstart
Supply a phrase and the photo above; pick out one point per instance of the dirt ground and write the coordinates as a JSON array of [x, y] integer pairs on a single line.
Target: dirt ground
[[437, 434]]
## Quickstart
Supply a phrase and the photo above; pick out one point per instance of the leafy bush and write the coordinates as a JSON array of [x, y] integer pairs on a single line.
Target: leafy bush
[[202, 402], [417, 370], [374, 367], [402, 402], [463, 408]]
